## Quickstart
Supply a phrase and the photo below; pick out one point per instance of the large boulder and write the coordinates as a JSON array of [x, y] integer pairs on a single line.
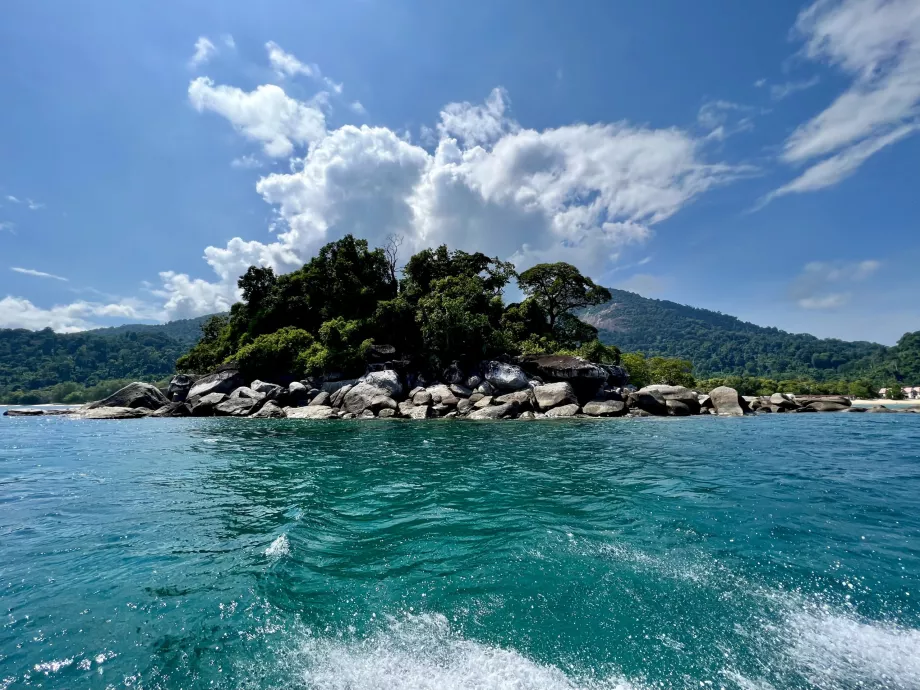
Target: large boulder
[[366, 396], [676, 408], [419, 412], [111, 412], [224, 381], [247, 392], [387, 380], [173, 409], [569, 410], [322, 398], [554, 394], [237, 407], [134, 395], [524, 399], [442, 394], [827, 406], [504, 377], [204, 406], [809, 399], [605, 408], [337, 397], [332, 386], [585, 377], [651, 402], [727, 402], [269, 410], [179, 386], [494, 412], [318, 412], [454, 374], [24, 413], [460, 391]]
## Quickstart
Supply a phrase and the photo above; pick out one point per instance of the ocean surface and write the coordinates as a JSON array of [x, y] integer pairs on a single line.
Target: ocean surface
[[761, 553]]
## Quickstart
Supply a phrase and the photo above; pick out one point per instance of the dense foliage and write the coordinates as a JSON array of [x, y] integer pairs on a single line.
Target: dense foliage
[[446, 308], [721, 345]]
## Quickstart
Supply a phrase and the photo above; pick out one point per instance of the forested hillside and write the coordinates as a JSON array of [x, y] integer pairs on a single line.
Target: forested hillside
[[718, 344], [185, 331]]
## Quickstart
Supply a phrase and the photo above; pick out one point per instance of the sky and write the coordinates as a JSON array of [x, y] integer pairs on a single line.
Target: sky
[[758, 159]]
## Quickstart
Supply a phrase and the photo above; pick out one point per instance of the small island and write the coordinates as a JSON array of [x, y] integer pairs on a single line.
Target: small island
[[352, 335]]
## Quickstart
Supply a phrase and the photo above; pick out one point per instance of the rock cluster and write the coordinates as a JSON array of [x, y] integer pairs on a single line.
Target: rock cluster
[[533, 388]]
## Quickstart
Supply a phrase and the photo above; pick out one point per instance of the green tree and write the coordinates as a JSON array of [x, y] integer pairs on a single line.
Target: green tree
[[673, 372], [893, 391], [560, 289], [640, 375], [275, 356]]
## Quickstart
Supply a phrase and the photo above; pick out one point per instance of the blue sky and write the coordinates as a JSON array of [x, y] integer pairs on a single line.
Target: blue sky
[[757, 159]]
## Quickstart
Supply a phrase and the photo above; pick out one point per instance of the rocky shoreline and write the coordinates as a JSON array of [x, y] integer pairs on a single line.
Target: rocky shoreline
[[536, 387]]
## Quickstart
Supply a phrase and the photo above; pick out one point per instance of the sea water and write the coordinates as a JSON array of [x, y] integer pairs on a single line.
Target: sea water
[[761, 553]]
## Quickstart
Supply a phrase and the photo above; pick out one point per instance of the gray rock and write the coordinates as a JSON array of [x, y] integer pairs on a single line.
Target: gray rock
[[781, 399], [464, 406], [204, 406], [415, 391], [297, 390], [348, 415], [419, 412], [525, 399], [308, 412], [808, 399], [363, 396], [452, 414], [367, 414], [473, 382], [563, 411], [555, 394], [386, 413], [24, 413], [825, 406], [605, 408], [460, 391], [423, 397], [178, 387], [322, 398], [676, 408], [114, 413], [173, 409], [237, 407], [405, 407], [485, 388], [440, 409], [652, 402], [563, 368], [246, 392], [265, 388], [442, 394], [493, 412], [684, 395], [705, 402], [726, 402], [507, 377], [453, 374], [766, 409], [476, 397], [483, 402], [388, 380], [134, 395], [269, 410], [527, 415], [337, 397], [881, 409], [222, 381]]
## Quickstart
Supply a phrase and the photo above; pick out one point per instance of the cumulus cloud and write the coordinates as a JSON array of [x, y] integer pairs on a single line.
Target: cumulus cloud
[[204, 51], [266, 114], [37, 274], [578, 193], [287, 65], [822, 285], [17, 312], [876, 43]]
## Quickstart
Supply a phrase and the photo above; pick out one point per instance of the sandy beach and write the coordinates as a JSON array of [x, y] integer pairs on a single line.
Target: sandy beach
[[886, 403]]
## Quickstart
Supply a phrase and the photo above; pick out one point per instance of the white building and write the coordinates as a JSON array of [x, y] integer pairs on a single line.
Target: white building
[[910, 392]]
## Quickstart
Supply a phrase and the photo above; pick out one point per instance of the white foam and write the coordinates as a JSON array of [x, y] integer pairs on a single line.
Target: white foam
[[279, 548], [832, 647], [421, 653], [47, 667]]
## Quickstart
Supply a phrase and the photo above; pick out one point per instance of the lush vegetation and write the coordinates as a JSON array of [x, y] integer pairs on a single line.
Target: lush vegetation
[[723, 346], [447, 307]]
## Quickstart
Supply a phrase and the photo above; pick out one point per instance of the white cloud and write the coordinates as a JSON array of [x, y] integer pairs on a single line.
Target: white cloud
[[760, 83], [17, 312], [578, 193], [37, 274], [877, 43], [780, 91], [204, 51], [266, 115], [832, 170], [34, 205], [818, 286], [246, 162], [13, 199], [724, 118], [228, 41], [287, 65], [358, 108], [7, 226]]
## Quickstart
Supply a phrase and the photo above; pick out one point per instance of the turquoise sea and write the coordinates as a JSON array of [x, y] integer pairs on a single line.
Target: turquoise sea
[[762, 553]]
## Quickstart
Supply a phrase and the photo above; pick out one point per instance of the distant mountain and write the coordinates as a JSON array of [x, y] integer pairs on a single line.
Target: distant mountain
[[185, 331], [719, 344]]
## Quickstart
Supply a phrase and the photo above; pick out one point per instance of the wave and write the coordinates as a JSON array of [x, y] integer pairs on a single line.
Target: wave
[[279, 548]]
